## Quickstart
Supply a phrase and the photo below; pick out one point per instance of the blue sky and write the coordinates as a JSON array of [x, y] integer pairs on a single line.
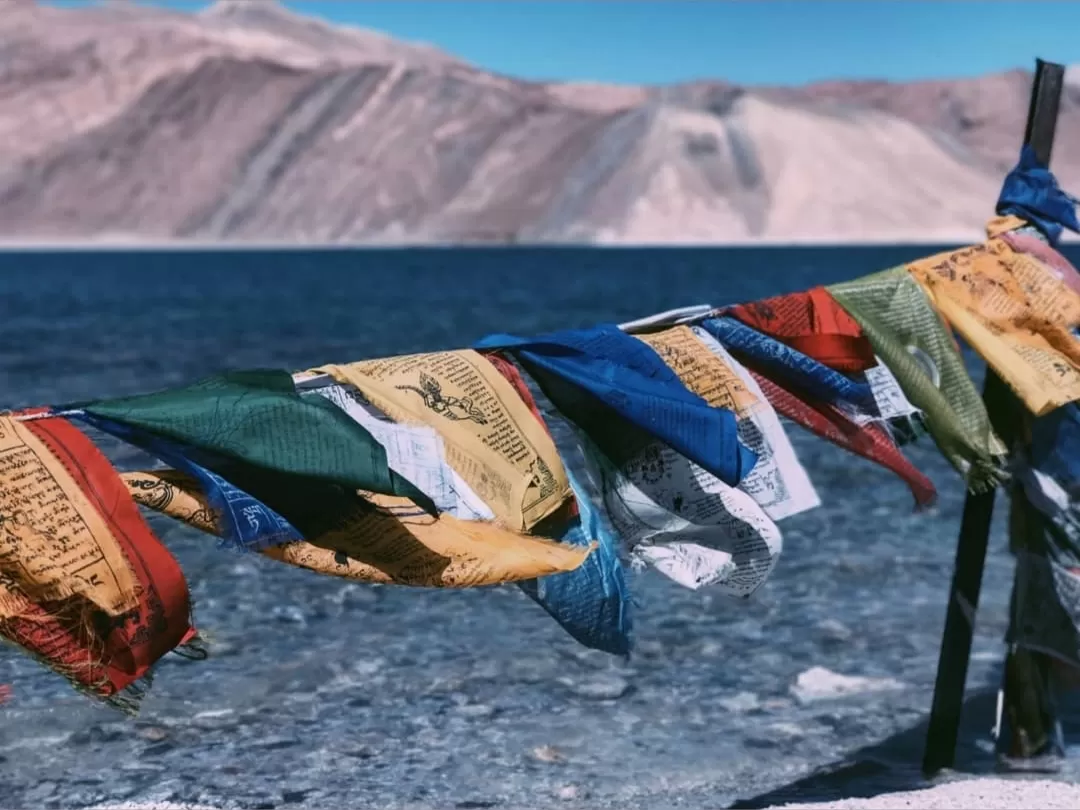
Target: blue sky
[[746, 41]]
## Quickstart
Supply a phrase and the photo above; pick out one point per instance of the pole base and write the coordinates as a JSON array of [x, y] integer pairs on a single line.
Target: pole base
[[1031, 739]]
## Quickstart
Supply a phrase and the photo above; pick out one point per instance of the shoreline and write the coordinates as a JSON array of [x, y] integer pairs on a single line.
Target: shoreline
[[16, 246], [117, 242]]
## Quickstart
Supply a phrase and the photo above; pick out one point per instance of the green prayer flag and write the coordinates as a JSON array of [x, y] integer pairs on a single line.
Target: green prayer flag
[[258, 419], [909, 335]]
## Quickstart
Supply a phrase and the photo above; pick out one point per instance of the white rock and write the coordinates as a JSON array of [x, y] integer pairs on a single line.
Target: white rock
[[741, 702], [818, 683]]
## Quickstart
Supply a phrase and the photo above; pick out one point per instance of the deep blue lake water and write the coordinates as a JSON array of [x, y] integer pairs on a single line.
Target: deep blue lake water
[[322, 693]]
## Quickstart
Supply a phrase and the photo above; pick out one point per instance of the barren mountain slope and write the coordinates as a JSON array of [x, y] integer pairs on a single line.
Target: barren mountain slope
[[249, 122]]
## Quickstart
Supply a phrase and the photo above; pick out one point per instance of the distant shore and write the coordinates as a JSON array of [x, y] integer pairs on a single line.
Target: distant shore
[[123, 241], [11, 246]]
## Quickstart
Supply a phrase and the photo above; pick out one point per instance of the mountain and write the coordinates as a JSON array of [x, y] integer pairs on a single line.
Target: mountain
[[248, 122]]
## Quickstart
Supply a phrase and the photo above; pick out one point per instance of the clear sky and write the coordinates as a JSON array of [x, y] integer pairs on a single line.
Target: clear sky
[[746, 41]]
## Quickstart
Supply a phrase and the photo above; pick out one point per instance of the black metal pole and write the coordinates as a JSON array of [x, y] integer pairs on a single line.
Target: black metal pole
[[1043, 109], [974, 537]]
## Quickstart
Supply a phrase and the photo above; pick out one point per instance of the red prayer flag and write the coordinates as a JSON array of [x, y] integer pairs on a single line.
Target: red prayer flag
[[813, 323], [870, 441], [104, 655]]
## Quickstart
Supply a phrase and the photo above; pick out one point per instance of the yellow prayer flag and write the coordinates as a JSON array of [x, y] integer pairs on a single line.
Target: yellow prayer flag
[[386, 540], [700, 370], [1015, 313], [493, 441], [54, 544]]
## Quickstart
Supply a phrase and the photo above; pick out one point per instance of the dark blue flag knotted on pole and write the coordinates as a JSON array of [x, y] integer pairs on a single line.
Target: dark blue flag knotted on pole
[[1032, 192]]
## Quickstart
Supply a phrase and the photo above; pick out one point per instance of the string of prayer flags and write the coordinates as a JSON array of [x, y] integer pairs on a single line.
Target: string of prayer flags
[[671, 512], [543, 461], [686, 522], [416, 452], [809, 394], [778, 483]]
